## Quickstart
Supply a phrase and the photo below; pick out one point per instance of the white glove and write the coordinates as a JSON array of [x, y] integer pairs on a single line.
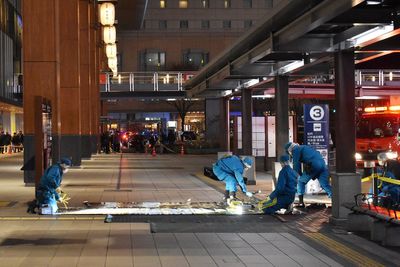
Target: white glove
[[249, 194]]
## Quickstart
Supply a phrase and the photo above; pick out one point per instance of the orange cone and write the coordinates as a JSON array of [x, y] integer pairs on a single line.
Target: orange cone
[[9, 150], [153, 152], [182, 150]]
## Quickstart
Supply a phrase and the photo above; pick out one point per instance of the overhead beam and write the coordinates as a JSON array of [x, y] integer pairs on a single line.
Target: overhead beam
[[365, 15], [319, 15]]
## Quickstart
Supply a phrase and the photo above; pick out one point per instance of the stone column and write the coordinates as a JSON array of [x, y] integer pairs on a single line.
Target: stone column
[[41, 70], [247, 122], [85, 83], [212, 114], [70, 107], [94, 39]]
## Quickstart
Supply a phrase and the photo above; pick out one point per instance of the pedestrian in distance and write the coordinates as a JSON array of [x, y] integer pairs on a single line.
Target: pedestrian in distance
[[230, 170], [314, 168], [284, 194]]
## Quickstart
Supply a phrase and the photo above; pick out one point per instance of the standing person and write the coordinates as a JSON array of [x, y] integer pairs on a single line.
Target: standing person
[[283, 195], [15, 142], [2, 137], [7, 142], [21, 139], [230, 170], [314, 168], [48, 191], [116, 142], [105, 142]]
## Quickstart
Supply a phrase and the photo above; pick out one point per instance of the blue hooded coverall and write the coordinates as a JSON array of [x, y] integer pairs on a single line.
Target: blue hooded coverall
[[230, 170], [390, 190], [318, 169], [49, 182], [284, 193]]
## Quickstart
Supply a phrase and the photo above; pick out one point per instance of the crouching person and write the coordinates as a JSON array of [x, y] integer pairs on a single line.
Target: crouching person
[[48, 192], [230, 170], [283, 196]]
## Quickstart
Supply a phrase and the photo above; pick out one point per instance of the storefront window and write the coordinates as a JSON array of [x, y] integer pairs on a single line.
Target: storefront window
[[195, 59], [152, 60]]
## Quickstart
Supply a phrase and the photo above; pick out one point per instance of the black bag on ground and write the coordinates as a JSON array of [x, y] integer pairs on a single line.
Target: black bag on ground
[[209, 173]]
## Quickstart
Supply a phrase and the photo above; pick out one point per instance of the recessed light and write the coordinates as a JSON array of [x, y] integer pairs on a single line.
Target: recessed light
[[377, 2]]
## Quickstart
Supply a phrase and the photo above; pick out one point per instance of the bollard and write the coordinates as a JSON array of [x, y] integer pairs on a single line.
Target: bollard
[[153, 152], [182, 150]]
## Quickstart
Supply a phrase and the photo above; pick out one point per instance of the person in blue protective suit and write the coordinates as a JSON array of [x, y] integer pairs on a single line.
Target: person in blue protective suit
[[314, 168], [48, 190], [230, 170], [283, 195], [390, 169]]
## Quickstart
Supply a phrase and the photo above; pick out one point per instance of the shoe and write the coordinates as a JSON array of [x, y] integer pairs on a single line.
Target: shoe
[[300, 205]]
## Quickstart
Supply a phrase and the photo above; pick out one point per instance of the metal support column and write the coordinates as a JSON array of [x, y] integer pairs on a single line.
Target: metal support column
[[345, 130], [224, 125], [247, 125], [282, 113], [345, 182]]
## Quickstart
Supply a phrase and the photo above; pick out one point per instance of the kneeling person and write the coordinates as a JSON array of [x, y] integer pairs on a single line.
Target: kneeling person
[[283, 195], [48, 192]]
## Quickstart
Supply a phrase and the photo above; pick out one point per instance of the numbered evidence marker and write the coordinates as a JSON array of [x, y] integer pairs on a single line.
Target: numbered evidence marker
[[317, 113]]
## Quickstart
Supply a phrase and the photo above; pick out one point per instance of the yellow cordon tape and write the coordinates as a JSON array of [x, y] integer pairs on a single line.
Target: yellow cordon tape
[[382, 178]]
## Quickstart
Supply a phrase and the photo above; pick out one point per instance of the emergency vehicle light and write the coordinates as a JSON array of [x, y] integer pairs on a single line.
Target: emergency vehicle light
[[369, 109], [381, 108], [394, 108], [374, 109]]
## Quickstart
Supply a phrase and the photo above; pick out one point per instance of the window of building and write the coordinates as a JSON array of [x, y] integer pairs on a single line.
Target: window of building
[[226, 24], [152, 60], [205, 3], [269, 3], [162, 24], [205, 24], [247, 3], [163, 4], [227, 3], [248, 23], [184, 24], [183, 3], [194, 59]]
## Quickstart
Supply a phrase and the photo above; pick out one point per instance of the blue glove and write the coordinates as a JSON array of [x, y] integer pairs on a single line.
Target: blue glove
[[249, 194]]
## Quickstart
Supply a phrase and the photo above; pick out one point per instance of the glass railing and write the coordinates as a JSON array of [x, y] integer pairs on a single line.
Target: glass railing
[[143, 81], [378, 77]]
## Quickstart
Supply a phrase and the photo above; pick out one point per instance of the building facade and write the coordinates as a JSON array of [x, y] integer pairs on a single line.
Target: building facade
[[10, 66], [184, 35]]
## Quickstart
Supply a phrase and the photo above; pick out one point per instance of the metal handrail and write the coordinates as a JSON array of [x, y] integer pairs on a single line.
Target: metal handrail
[[142, 81]]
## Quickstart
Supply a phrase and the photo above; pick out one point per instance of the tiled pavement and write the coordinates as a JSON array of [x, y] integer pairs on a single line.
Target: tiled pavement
[[27, 240]]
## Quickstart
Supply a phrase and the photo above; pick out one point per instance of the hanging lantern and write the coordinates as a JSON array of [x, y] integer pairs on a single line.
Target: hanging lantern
[[111, 50], [109, 35], [107, 14], [112, 62]]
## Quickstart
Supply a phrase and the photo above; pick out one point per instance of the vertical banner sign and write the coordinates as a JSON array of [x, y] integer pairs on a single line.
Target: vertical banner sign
[[316, 135], [316, 128]]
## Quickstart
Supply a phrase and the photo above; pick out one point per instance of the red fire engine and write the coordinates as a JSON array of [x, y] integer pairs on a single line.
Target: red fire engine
[[378, 131]]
